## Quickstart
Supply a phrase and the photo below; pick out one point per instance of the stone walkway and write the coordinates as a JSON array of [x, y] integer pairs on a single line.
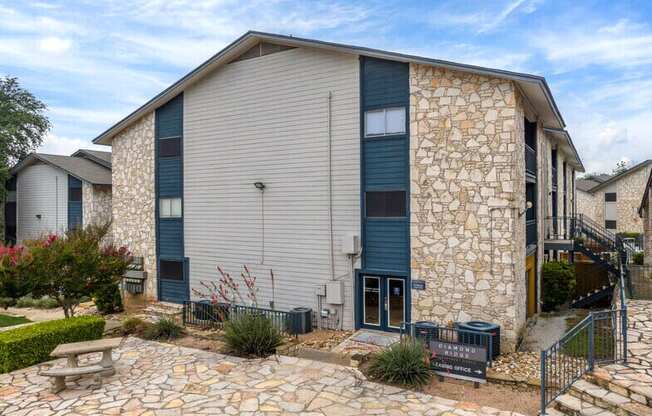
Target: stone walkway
[[637, 374], [161, 379]]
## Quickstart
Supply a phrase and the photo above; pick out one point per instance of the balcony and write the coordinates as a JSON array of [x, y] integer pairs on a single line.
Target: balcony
[[530, 232], [530, 161]]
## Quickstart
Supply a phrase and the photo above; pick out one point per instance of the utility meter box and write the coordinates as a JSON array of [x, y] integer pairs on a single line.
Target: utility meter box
[[350, 244], [335, 292]]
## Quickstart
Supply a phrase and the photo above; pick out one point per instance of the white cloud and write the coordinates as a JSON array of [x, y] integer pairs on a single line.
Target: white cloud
[[621, 45], [482, 20], [57, 145], [55, 44], [86, 116]]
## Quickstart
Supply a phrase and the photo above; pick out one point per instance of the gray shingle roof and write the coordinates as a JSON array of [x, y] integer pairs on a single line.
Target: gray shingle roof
[[586, 184], [79, 167], [103, 158]]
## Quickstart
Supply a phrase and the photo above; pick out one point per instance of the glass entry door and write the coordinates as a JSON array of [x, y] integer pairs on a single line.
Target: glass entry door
[[383, 302]]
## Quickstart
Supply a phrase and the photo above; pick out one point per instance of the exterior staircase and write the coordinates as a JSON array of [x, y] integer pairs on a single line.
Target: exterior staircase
[[603, 248], [594, 395]]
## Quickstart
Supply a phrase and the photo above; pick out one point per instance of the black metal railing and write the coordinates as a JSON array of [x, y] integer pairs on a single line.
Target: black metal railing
[[213, 315], [530, 160], [530, 232], [432, 332], [600, 338], [560, 228]]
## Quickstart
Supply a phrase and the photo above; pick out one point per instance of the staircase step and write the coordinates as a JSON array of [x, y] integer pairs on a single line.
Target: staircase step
[[637, 393], [551, 411], [609, 400], [573, 406]]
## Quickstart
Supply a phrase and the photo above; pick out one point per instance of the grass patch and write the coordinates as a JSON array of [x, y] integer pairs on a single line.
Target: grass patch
[[7, 320], [604, 339]]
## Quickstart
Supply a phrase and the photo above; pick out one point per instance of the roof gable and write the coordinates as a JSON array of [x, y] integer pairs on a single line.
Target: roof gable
[[79, 167], [621, 175], [533, 86]]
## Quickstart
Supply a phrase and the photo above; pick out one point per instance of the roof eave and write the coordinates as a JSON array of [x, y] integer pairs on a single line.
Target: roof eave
[[579, 166], [250, 36]]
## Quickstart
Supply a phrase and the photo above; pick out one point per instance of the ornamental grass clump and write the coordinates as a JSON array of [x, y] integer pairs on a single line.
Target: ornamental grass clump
[[164, 329], [404, 363], [252, 334]]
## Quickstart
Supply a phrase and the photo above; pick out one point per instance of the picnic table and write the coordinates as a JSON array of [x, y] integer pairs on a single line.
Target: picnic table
[[72, 351]]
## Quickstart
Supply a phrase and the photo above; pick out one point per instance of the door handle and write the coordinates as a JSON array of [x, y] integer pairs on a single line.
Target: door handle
[[386, 303]]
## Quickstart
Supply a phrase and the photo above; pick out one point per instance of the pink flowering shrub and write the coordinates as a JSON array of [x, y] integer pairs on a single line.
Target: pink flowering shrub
[[13, 263], [76, 265]]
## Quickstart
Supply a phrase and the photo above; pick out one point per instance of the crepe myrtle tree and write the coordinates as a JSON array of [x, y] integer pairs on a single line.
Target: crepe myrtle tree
[[77, 265], [14, 261]]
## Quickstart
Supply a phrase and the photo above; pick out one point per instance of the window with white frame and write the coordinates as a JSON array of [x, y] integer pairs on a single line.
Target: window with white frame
[[169, 208], [384, 122]]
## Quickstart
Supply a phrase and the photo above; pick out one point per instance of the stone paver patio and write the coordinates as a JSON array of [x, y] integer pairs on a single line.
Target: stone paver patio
[[162, 379], [637, 374]]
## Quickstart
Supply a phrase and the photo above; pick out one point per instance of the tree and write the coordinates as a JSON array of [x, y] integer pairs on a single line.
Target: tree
[[14, 261], [23, 125], [75, 266], [621, 166]]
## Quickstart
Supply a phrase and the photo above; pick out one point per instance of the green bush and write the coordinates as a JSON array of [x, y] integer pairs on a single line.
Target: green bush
[[252, 334], [29, 345], [41, 303], [108, 299], [638, 258], [558, 284], [133, 326], [404, 363], [164, 329]]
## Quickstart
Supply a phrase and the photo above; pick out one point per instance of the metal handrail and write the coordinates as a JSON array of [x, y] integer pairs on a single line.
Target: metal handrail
[[600, 337]]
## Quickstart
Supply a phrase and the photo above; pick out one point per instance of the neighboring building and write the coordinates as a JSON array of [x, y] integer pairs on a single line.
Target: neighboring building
[[54, 193], [645, 213], [382, 187], [613, 201]]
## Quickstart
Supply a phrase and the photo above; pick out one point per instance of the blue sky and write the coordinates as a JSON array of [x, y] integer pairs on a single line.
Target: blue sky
[[93, 62]]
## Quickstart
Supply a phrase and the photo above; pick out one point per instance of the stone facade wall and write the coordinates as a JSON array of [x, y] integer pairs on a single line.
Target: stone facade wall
[[629, 190], [467, 188], [630, 193], [646, 219], [134, 195], [96, 203], [587, 205]]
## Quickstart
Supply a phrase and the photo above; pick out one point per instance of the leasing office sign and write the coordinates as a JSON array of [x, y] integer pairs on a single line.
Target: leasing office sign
[[456, 360]]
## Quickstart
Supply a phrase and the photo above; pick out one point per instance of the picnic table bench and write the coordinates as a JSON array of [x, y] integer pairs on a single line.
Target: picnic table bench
[[72, 351]]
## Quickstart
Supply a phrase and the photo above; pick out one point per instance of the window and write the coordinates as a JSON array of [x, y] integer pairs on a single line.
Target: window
[[169, 147], [169, 208], [171, 270], [610, 224], [385, 204], [610, 197], [74, 194], [385, 121]]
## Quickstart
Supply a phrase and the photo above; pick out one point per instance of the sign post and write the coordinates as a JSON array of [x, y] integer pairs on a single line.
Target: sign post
[[457, 360]]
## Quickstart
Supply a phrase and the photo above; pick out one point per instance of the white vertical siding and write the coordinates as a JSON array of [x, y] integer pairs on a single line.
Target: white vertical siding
[[41, 189], [266, 119]]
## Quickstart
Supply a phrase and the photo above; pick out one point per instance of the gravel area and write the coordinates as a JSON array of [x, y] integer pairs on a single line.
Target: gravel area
[[519, 366]]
